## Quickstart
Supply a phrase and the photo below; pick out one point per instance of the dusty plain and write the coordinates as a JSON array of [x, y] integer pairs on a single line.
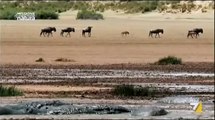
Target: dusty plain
[[21, 43]]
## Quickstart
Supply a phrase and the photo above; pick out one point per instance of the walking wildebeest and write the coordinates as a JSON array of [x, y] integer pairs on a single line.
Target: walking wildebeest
[[124, 33], [195, 32], [88, 30], [68, 30], [48, 31], [156, 32], [191, 33]]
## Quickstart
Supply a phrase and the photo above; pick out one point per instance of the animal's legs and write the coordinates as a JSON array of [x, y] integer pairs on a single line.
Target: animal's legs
[[61, 33], [44, 34], [69, 34], [41, 33]]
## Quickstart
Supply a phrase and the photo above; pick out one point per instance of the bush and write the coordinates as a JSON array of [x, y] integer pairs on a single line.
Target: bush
[[135, 7], [175, 6], [170, 60], [40, 60], [84, 14], [43, 10], [131, 90], [64, 60], [10, 91], [8, 14], [46, 15]]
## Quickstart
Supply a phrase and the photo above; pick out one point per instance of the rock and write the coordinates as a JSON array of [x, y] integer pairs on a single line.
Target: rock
[[39, 106], [149, 111], [60, 108], [5, 111], [158, 112], [179, 99], [120, 109], [50, 112]]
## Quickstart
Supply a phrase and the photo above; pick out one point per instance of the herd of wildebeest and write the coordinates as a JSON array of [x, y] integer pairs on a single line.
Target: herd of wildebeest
[[46, 32]]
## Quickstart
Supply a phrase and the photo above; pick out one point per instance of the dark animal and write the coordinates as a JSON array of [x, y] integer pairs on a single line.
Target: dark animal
[[67, 30], [191, 33], [87, 30], [125, 33], [48, 31], [156, 32], [195, 32]]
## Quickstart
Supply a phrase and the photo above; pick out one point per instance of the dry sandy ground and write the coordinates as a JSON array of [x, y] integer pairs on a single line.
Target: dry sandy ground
[[21, 44]]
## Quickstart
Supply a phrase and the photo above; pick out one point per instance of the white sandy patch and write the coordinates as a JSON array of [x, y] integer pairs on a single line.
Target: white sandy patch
[[197, 15]]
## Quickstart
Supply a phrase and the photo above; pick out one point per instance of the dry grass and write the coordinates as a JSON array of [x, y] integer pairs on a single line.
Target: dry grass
[[64, 60]]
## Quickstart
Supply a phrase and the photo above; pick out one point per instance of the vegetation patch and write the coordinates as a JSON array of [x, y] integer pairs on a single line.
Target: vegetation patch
[[85, 14], [40, 60], [64, 60], [8, 14], [10, 91], [170, 60], [131, 90], [46, 15], [51, 9]]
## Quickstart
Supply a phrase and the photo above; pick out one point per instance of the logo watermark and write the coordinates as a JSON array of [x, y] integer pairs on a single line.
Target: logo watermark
[[25, 16]]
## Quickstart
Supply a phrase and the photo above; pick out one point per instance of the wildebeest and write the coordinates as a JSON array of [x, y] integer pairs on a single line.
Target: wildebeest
[[48, 31], [88, 30], [125, 33], [191, 33], [195, 32], [156, 32], [68, 30]]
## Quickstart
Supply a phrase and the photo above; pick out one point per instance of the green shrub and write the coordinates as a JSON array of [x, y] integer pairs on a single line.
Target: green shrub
[[43, 10], [170, 60], [175, 6], [135, 7], [46, 15], [84, 14], [8, 14], [10, 91], [131, 90]]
